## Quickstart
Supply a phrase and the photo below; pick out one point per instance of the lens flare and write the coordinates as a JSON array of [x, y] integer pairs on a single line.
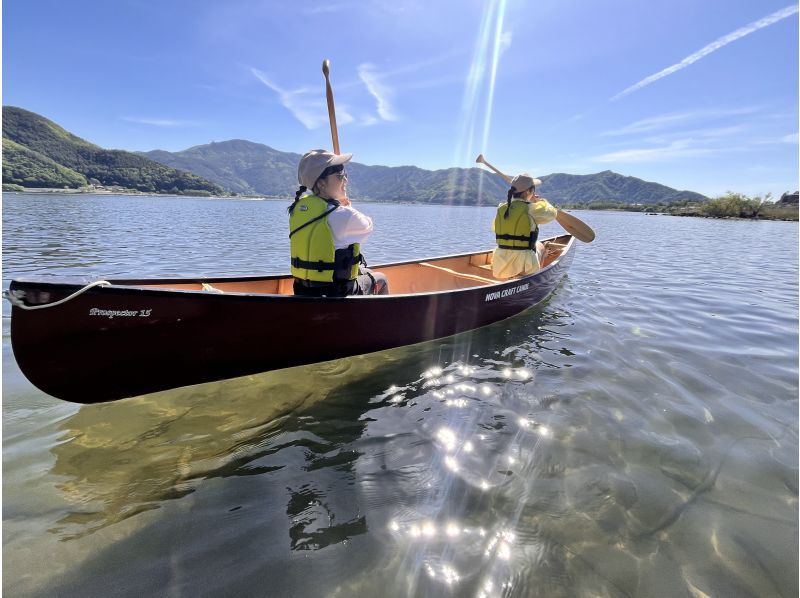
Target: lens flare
[[481, 78]]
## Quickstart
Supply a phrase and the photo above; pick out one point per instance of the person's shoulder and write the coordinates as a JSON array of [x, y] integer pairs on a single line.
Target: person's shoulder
[[346, 213], [347, 210], [541, 202], [341, 212]]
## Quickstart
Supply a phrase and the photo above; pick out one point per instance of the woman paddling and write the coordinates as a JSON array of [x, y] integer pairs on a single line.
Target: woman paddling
[[326, 233], [516, 228]]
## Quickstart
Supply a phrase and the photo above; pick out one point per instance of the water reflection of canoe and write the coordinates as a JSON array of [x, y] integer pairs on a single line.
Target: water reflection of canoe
[[136, 336]]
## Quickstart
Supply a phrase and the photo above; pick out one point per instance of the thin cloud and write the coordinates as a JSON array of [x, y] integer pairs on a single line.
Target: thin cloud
[[432, 83], [791, 138], [713, 133], [418, 66], [664, 121], [712, 47], [682, 148], [704, 136], [411, 69], [379, 90], [304, 104], [162, 122], [327, 8]]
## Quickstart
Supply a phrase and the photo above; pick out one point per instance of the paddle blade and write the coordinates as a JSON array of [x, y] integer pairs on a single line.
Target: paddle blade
[[575, 226], [480, 159]]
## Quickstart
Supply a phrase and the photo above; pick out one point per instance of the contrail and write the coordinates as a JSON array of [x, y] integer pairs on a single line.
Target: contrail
[[712, 47]]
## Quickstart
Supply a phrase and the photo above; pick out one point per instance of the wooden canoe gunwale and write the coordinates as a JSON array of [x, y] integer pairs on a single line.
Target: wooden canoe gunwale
[[138, 284]]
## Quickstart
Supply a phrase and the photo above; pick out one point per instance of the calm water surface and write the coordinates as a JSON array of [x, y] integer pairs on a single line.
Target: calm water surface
[[636, 435]]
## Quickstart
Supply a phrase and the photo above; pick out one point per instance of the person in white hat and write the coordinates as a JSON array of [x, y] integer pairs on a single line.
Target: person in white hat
[[516, 229], [326, 233]]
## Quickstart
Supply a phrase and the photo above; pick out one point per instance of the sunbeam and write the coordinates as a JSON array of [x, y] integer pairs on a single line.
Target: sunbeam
[[479, 89]]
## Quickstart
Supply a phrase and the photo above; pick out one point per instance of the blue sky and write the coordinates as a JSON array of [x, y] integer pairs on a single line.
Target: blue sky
[[694, 94]]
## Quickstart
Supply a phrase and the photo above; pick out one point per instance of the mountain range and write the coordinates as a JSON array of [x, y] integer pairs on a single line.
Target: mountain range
[[253, 168], [39, 153]]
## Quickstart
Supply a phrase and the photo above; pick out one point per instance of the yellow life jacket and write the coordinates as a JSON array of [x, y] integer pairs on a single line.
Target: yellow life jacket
[[518, 230], [314, 256]]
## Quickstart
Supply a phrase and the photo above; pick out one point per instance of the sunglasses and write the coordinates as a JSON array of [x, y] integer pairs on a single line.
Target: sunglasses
[[338, 170]]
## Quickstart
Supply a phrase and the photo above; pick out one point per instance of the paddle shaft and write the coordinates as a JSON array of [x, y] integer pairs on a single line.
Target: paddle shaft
[[331, 108], [482, 160], [574, 226]]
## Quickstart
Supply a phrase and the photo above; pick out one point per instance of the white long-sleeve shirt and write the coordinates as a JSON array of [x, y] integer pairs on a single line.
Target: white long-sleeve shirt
[[349, 226]]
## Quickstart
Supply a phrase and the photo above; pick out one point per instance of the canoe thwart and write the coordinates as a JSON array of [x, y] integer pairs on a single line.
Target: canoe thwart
[[459, 274]]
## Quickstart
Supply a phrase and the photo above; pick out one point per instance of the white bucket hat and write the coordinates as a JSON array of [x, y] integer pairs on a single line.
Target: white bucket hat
[[523, 182], [313, 163]]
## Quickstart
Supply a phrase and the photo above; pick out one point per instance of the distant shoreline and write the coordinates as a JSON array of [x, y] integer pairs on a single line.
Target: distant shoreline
[[789, 217], [46, 190]]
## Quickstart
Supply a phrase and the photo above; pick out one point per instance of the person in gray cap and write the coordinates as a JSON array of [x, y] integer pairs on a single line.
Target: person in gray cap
[[326, 233], [516, 229]]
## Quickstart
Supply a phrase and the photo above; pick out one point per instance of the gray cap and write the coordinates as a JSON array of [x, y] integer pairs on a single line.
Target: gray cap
[[314, 162], [523, 182]]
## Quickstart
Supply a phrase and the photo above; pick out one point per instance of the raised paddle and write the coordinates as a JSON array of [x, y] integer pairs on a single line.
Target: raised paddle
[[574, 226], [331, 110]]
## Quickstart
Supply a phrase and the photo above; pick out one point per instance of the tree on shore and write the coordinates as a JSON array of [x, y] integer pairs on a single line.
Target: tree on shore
[[735, 205], [730, 205]]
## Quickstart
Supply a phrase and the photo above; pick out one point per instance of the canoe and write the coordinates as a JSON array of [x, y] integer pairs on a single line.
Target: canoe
[[91, 342]]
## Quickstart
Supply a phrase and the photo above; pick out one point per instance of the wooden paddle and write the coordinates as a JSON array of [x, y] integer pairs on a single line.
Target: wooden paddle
[[331, 110], [574, 226]]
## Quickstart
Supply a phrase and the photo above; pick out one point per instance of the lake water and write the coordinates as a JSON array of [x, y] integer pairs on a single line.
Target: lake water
[[635, 435]]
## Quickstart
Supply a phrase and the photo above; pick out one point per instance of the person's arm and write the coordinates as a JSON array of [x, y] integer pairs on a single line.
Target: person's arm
[[348, 226]]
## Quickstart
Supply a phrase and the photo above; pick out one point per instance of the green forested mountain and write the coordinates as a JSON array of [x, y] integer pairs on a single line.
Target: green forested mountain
[[39, 147], [460, 186], [237, 165], [610, 186], [27, 168], [253, 168]]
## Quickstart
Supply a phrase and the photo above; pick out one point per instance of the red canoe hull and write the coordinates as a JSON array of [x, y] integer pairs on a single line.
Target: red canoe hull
[[123, 340]]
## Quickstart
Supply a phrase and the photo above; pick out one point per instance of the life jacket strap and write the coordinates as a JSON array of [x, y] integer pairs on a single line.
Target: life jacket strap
[[319, 266], [313, 220], [530, 240], [524, 238], [344, 261]]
